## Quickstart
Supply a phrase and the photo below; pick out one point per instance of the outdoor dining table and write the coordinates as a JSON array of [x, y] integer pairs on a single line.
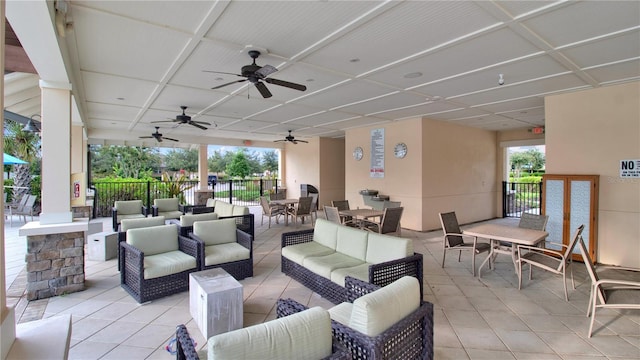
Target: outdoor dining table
[[515, 235], [361, 214], [287, 203]]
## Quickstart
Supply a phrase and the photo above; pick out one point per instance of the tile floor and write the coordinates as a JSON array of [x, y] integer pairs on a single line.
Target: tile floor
[[475, 318]]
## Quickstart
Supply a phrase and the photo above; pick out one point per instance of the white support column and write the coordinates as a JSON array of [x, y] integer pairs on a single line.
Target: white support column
[[203, 166], [56, 153]]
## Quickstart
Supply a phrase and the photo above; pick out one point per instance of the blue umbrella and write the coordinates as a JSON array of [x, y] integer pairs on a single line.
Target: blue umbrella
[[12, 160]]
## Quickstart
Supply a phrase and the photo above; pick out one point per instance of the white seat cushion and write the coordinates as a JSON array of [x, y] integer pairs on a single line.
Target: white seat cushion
[[324, 265], [167, 263], [298, 252], [224, 253], [360, 272]]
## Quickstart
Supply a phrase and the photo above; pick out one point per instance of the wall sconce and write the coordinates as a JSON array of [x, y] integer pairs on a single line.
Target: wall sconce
[[31, 126]]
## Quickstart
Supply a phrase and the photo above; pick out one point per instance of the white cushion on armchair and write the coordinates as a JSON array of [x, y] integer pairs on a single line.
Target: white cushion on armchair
[[373, 313], [300, 336]]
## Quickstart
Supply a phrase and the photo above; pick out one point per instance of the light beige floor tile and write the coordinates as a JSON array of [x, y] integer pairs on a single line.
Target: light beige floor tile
[[116, 332], [172, 317], [523, 341], [88, 350], [479, 338], [454, 302], [87, 307], [465, 319], [443, 353], [86, 327], [568, 344], [614, 346], [151, 336], [146, 313], [444, 336], [113, 311], [478, 354], [503, 320], [536, 356], [548, 323], [128, 352]]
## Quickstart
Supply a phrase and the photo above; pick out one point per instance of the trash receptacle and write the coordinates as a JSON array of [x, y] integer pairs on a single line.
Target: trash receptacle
[[306, 189]]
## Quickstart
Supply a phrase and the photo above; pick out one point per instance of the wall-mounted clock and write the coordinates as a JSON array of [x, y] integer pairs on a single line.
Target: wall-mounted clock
[[400, 150], [357, 153]]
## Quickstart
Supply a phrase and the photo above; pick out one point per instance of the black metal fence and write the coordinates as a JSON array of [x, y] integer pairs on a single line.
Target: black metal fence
[[239, 192], [521, 197]]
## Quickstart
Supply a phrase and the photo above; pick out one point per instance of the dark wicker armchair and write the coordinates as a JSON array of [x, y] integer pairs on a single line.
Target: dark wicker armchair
[[222, 244], [156, 262], [410, 338], [127, 209]]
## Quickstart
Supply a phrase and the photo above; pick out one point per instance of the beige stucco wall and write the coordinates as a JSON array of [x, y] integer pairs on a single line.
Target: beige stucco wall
[[447, 167], [302, 166], [331, 186], [589, 132]]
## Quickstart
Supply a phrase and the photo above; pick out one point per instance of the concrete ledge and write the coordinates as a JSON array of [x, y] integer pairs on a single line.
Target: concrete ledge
[[42, 339]]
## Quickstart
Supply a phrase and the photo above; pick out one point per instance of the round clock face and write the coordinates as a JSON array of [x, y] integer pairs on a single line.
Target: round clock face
[[357, 153], [400, 150]]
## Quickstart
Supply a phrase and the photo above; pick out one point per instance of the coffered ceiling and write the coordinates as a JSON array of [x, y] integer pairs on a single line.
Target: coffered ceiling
[[363, 62]]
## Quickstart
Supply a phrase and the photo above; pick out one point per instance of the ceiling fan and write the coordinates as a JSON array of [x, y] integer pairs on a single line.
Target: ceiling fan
[[257, 74], [156, 135], [292, 139], [185, 119]]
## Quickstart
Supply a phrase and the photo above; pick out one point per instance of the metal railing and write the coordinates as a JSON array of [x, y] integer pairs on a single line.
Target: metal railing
[[521, 197], [239, 192]]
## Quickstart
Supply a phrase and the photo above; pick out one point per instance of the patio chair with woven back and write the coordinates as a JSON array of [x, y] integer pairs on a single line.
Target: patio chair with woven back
[[332, 214], [270, 210], [26, 209], [302, 210], [389, 224], [546, 258], [454, 240]]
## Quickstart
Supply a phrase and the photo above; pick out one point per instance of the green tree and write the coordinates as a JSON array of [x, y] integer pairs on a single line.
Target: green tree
[[182, 159], [239, 165], [26, 146], [124, 161], [270, 161], [218, 161], [530, 160]]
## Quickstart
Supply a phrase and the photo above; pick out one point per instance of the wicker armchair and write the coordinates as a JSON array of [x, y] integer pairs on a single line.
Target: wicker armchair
[[409, 338], [169, 208], [185, 223], [127, 209], [222, 244], [156, 262], [128, 224]]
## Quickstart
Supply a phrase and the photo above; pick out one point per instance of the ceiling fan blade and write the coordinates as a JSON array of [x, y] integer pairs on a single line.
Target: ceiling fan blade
[[221, 72], [281, 140], [303, 141], [262, 88], [229, 83], [170, 139], [163, 121], [286, 84], [201, 122], [265, 71], [197, 125], [145, 137]]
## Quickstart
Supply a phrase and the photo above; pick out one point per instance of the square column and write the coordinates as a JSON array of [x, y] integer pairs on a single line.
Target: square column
[[56, 153]]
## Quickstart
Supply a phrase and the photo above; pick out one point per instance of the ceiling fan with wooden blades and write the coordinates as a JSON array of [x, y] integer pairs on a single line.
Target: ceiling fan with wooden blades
[[158, 136], [258, 75], [185, 119], [290, 138]]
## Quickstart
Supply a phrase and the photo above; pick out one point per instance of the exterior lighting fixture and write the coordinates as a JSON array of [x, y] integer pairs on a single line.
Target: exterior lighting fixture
[[31, 126]]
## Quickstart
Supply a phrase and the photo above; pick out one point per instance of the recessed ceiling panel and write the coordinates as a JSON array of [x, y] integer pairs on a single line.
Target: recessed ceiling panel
[[172, 97], [113, 112], [534, 88], [605, 51], [326, 118], [592, 19], [406, 29], [629, 70], [118, 50], [517, 8], [459, 114], [284, 113], [463, 57], [418, 111], [183, 15], [513, 105], [533, 68], [348, 93], [284, 27], [241, 107], [106, 89], [246, 125], [393, 101]]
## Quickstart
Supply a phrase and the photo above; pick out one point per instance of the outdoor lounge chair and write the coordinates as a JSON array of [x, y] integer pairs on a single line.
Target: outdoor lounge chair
[[169, 208], [389, 224], [332, 214], [127, 209], [301, 210], [270, 211]]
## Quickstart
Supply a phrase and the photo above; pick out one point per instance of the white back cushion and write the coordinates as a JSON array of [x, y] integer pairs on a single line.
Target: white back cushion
[[214, 232], [301, 336], [154, 240], [188, 220], [170, 204], [381, 248], [325, 232], [352, 242], [375, 312], [127, 224]]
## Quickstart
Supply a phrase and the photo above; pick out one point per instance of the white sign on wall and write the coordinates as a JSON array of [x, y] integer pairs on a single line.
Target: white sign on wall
[[630, 168], [377, 153]]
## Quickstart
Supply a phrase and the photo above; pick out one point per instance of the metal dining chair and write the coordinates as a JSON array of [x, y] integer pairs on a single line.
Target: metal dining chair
[[454, 240]]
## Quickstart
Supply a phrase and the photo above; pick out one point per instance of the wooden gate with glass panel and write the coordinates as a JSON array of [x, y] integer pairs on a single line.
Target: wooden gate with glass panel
[[570, 201]]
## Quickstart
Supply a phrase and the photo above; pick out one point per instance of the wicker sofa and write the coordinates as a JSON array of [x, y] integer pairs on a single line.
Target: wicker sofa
[[321, 258], [222, 244], [380, 323], [156, 262], [242, 215], [304, 335]]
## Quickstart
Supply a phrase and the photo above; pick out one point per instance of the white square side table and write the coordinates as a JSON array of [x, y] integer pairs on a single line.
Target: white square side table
[[215, 301]]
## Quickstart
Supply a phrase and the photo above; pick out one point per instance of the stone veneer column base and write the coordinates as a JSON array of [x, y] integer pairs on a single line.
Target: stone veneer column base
[[55, 264], [202, 196]]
